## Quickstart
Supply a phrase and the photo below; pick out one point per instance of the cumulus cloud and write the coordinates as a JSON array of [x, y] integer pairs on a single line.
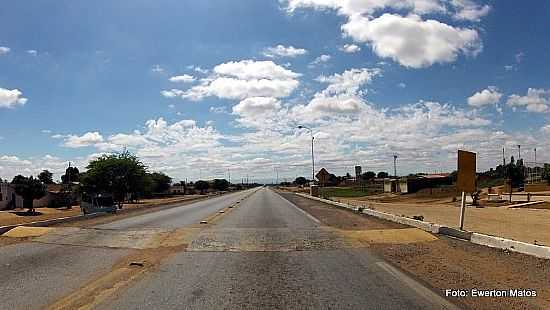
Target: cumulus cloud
[[469, 10], [4, 50], [185, 78], [319, 60], [242, 79], [412, 41], [75, 141], [536, 100], [256, 106], [11, 98], [283, 51], [32, 52], [489, 96], [350, 48], [407, 39]]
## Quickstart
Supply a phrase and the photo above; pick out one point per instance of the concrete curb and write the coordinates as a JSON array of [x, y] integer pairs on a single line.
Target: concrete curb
[[473, 237], [511, 245], [429, 227]]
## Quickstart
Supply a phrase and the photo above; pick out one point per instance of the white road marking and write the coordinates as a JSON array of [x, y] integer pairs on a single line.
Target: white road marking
[[423, 291]]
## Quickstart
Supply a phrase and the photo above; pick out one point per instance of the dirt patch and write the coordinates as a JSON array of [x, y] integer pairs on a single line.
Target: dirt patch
[[339, 218], [448, 263], [454, 264]]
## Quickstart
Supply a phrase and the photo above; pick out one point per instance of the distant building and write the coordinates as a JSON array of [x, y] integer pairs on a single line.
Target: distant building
[[413, 184], [9, 199]]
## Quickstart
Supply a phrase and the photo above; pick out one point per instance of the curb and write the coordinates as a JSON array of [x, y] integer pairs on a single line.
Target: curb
[[473, 237]]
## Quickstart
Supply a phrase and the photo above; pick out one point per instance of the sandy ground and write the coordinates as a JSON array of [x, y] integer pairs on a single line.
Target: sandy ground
[[17, 216], [448, 263], [523, 224]]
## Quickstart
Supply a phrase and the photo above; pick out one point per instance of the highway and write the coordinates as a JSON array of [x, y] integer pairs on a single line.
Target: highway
[[264, 253]]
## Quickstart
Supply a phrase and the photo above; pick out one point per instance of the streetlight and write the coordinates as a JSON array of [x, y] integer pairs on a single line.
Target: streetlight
[[312, 158]]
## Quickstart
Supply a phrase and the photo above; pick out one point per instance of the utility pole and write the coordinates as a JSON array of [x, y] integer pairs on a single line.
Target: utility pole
[[229, 173], [395, 165], [535, 155], [519, 152], [503, 159], [312, 157]]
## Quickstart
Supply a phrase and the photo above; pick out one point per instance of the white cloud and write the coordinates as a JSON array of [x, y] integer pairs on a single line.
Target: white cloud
[[157, 69], [185, 78], [242, 79], [401, 85], [489, 96], [519, 57], [545, 129], [350, 7], [536, 100], [87, 139], [319, 60], [350, 48], [469, 10], [11, 98], [251, 69], [412, 41], [4, 50], [407, 39], [32, 52], [283, 51], [256, 106], [218, 110]]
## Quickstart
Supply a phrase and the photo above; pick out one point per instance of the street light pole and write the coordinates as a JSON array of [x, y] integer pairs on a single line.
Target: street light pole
[[312, 153]]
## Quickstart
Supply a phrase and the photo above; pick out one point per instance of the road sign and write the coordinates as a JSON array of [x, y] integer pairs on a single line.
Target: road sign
[[322, 176], [466, 181]]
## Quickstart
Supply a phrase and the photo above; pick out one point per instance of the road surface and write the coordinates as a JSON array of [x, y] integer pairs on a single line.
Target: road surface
[[264, 253]]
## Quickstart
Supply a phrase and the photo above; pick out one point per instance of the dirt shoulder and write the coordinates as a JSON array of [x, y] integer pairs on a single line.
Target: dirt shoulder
[[19, 216], [448, 263]]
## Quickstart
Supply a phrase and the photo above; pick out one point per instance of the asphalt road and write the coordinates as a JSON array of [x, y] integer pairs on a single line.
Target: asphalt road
[[264, 254]]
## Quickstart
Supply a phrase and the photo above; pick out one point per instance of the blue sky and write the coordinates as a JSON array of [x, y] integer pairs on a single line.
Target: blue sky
[[420, 78]]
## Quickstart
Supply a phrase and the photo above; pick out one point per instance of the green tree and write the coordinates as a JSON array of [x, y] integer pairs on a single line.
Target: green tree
[[300, 181], [368, 175], [119, 174], [546, 173], [29, 189], [202, 186], [160, 182], [46, 177], [71, 175], [383, 174], [221, 184]]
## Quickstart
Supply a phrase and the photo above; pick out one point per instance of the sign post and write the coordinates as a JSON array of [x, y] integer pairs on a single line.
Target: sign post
[[466, 181]]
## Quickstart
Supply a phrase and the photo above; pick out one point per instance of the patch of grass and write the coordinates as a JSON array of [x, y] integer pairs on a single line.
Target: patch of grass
[[343, 192]]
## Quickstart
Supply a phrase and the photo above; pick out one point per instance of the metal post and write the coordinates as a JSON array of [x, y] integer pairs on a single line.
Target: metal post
[[462, 209], [312, 159]]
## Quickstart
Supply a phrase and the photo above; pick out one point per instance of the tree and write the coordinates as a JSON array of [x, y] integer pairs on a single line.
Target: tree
[[202, 186], [119, 174], [383, 174], [516, 172], [546, 173], [300, 181], [71, 175], [29, 189], [46, 177], [368, 175], [221, 184], [160, 182]]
